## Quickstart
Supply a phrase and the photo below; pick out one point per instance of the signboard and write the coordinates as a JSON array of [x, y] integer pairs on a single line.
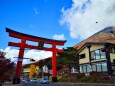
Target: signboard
[[40, 44]]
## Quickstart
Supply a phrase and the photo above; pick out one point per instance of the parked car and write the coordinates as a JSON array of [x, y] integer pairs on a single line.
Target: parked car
[[34, 80], [23, 80], [1, 82], [44, 81], [28, 80]]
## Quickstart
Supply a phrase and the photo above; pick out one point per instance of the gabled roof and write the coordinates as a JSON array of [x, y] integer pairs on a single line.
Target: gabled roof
[[99, 37], [91, 43]]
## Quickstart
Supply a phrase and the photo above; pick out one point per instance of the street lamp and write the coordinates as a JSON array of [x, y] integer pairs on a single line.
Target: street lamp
[[32, 60], [20, 59]]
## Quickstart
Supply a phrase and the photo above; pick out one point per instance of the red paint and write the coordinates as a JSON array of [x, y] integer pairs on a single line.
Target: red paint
[[54, 70], [20, 56], [22, 45]]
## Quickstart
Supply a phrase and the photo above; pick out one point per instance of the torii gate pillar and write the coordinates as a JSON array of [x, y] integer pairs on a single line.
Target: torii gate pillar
[[22, 45], [54, 70]]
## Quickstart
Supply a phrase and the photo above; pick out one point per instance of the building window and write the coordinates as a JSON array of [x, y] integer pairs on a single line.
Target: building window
[[88, 68], [82, 56], [97, 54], [112, 50], [85, 68], [81, 69], [102, 54], [104, 67], [99, 69], [93, 55], [94, 68]]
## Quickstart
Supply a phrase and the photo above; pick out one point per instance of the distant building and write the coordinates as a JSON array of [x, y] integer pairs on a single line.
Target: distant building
[[96, 53], [30, 71], [45, 69], [73, 70]]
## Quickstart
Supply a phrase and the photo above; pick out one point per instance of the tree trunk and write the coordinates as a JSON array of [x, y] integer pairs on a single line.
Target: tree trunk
[[69, 68]]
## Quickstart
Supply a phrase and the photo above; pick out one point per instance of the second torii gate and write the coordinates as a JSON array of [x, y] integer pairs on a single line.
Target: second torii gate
[[22, 45]]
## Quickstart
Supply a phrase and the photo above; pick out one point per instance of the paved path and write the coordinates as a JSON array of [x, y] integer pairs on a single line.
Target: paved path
[[63, 84]]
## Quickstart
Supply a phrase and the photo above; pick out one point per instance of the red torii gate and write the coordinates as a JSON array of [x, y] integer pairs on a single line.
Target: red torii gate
[[22, 45]]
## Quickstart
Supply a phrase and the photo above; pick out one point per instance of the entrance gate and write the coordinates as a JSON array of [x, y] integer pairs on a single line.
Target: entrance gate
[[41, 41]]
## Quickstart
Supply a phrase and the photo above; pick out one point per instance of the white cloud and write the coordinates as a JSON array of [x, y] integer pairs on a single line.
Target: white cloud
[[11, 53], [59, 37], [37, 55], [36, 11], [81, 18], [34, 54]]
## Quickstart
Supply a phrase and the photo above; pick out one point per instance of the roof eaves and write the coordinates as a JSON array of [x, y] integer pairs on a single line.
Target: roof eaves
[[90, 43]]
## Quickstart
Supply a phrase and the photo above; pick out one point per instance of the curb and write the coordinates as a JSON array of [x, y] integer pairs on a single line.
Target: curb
[[86, 84]]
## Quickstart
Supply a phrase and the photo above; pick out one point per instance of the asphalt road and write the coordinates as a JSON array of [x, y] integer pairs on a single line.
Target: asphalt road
[[58, 84], [61, 84], [38, 84]]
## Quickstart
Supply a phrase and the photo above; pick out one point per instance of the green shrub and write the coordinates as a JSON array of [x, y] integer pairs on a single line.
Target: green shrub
[[84, 79], [70, 78], [80, 75], [93, 78]]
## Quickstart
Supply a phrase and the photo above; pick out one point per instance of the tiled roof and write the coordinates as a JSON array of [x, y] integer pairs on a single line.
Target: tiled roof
[[100, 37]]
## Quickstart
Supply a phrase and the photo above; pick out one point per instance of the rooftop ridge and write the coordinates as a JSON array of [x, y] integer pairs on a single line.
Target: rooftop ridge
[[96, 37]]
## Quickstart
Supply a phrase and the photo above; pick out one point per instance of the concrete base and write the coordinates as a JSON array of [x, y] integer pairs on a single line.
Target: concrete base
[[54, 79], [16, 81]]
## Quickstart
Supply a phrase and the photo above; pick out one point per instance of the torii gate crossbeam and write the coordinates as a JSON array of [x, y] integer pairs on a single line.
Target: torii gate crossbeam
[[22, 45]]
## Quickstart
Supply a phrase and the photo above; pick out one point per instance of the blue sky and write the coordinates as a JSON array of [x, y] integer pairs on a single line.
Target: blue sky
[[71, 20], [35, 17]]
